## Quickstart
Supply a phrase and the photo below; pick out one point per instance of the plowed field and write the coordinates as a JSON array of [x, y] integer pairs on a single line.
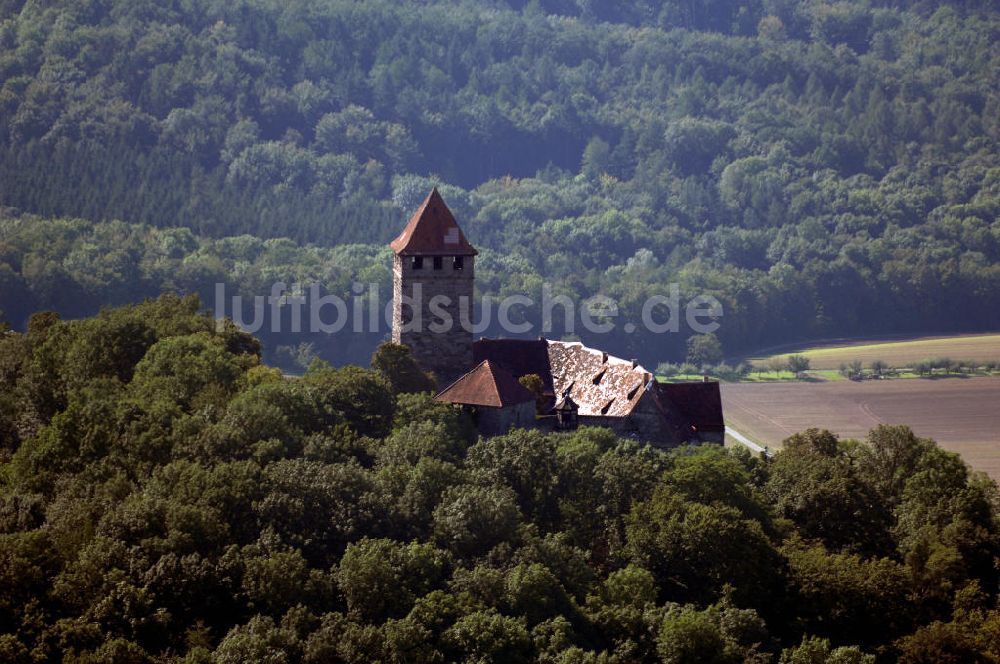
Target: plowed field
[[962, 415]]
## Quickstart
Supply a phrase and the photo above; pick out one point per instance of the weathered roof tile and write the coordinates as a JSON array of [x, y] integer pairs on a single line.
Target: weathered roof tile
[[432, 231], [486, 385], [601, 384]]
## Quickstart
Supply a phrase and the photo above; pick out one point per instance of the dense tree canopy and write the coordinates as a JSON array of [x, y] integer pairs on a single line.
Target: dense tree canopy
[[173, 499]]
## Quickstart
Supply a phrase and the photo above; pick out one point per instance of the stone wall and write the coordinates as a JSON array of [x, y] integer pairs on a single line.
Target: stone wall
[[439, 346], [498, 421], [644, 423], [648, 422]]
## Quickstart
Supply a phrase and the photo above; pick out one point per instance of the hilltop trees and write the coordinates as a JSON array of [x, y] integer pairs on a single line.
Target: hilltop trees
[[815, 479], [195, 504], [395, 363]]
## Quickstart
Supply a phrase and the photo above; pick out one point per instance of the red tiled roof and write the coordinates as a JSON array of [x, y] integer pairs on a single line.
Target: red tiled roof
[[602, 384], [518, 356], [599, 383], [486, 385], [432, 231]]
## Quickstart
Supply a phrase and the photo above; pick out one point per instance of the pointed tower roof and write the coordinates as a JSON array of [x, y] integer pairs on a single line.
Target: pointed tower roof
[[486, 385], [566, 403], [432, 231]]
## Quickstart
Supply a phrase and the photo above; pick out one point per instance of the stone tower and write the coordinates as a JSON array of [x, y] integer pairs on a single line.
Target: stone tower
[[434, 269]]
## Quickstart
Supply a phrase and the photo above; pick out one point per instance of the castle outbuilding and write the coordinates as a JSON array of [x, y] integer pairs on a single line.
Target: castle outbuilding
[[433, 283], [497, 401]]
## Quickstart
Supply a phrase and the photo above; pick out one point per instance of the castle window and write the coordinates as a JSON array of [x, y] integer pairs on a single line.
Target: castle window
[[438, 262], [459, 262], [418, 262]]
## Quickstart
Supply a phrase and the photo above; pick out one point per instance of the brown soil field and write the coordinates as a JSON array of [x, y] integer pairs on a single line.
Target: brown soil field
[[962, 415]]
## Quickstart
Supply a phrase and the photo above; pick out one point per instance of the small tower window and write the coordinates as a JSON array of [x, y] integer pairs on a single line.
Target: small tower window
[[438, 262], [459, 262], [418, 262]]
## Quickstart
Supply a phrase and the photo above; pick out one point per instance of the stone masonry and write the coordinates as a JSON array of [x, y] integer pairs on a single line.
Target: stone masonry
[[433, 328]]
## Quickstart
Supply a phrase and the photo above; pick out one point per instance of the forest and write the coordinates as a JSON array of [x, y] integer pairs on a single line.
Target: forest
[[167, 494], [166, 497], [823, 168]]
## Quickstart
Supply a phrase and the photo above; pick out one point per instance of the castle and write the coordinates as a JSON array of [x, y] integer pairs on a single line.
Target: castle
[[433, 284]]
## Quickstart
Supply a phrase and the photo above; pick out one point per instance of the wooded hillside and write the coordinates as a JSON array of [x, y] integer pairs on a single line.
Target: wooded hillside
[[824, 168]]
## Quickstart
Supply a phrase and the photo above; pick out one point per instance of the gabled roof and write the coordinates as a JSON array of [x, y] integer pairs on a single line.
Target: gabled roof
[[518, 356], [566, 403], [604, 385], [432, 231], [599, 383], [486, 385]]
